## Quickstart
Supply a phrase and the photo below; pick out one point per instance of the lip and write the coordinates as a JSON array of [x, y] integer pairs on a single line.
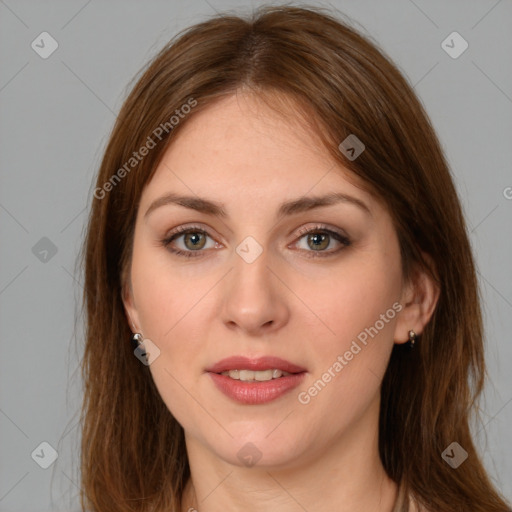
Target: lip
[[254, 393], [258, 364]]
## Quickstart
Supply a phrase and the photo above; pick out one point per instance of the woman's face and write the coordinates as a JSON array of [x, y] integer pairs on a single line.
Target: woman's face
[[253, 283]]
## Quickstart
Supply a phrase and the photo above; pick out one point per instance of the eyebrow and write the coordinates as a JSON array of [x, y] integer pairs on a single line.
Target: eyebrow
[[292, 207]]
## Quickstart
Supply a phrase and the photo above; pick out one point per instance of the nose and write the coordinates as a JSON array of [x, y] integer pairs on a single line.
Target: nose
[[254, 297]]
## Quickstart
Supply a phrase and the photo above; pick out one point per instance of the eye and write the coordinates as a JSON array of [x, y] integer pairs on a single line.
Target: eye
[[194, 239], [319, 238]]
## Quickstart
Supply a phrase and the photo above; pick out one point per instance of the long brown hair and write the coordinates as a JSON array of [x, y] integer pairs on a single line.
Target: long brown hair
[[133, 455]]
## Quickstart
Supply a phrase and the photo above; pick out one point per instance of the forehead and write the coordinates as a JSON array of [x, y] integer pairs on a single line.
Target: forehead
[[240, 147]]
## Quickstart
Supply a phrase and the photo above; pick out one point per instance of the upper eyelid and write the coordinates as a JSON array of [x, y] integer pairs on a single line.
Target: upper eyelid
[[318, 226], [184, 229]]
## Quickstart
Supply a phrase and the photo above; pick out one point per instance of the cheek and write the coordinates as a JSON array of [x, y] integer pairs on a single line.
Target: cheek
[[349, 365], [352, 344], [165, 296], [171, 309], [352, 298]]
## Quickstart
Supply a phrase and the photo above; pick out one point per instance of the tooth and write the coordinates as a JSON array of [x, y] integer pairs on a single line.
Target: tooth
[[246, 375], [263, 375], [255, 376]]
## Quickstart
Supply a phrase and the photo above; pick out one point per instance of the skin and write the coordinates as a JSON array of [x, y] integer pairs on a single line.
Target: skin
[[201, 309]]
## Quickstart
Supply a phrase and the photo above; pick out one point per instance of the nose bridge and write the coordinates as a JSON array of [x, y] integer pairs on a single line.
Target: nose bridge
[[252, 298], [251, 267]]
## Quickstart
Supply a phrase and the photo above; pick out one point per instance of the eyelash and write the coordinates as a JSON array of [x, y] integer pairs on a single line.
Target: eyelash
[[303, 232]]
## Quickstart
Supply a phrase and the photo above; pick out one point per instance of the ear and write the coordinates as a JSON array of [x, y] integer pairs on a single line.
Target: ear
[[419, 299], [129, 305]]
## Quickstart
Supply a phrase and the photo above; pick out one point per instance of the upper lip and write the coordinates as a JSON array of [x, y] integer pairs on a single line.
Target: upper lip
[[260, 363]]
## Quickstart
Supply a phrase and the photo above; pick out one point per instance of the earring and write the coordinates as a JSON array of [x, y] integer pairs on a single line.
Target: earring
[[412, 338], [139, 348], [136, 340]]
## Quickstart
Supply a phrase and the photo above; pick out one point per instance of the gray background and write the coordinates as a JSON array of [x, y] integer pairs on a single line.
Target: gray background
[[56, 114]]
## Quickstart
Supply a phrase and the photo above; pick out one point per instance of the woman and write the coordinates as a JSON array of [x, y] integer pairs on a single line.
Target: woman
[[279, 275]]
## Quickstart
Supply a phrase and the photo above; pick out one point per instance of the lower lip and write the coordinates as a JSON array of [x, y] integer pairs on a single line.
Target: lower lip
[[252, 393]]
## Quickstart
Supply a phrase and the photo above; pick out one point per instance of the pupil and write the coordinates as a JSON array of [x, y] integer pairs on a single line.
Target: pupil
[[318, 239], [194, 237]]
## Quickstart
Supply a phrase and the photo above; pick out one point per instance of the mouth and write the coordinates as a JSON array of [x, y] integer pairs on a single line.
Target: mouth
[[255, 381]]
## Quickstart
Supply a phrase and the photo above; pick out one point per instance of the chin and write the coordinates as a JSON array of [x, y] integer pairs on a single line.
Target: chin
[[256, 448]]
